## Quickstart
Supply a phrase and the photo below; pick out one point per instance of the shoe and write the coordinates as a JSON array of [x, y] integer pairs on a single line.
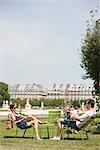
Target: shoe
[[55, 138], [38, 138], [44, 122]]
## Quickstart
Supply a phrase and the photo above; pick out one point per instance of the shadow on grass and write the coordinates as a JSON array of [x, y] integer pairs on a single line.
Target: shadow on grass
[[76, 139], [26, 137]]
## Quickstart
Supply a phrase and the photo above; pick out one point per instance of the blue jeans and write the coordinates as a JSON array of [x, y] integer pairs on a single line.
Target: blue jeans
[[70, 123]]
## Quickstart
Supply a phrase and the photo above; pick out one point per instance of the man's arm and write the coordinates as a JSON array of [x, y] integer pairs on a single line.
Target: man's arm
[[76, 117]]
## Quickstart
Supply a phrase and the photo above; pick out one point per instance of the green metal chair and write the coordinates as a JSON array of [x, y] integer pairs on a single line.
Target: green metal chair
[[53, 116], [10, 124], [85, 129], [24, 131]]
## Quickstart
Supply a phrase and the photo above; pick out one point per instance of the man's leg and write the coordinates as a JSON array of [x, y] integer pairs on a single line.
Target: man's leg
[[59, 126], [58, 134]]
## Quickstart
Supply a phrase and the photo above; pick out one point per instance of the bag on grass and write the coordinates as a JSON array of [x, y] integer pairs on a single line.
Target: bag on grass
[[9, 123]]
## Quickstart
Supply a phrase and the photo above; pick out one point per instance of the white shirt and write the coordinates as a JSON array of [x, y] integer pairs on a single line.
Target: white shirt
[[85, 117]]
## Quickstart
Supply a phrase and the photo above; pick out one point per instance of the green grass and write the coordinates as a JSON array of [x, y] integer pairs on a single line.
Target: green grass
[[93, 143]]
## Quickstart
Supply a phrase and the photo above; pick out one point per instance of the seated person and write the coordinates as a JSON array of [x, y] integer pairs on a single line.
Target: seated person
[[66, 111], [77, 121], [25, 121]]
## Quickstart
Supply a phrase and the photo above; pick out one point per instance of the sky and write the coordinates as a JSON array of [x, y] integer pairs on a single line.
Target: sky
[[40, 40]]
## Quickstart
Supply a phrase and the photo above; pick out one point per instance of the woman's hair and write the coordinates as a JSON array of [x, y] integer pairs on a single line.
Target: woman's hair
[[12, 106]]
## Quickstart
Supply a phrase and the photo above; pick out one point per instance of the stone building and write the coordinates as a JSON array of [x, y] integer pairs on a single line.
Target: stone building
[[27, 91], [34, 91]]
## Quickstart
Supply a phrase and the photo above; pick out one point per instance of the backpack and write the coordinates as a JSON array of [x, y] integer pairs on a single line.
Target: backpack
[[9, 123]]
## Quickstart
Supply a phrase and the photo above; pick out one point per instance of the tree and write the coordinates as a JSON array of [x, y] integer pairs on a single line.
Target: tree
[[90, 53], [4, 95], [75, 103]]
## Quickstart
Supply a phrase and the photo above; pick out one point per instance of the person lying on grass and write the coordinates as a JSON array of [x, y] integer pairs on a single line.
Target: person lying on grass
[[76, 121], [25, 121]]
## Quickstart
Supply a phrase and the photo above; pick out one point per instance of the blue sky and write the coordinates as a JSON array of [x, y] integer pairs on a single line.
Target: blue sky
[[39, 40]]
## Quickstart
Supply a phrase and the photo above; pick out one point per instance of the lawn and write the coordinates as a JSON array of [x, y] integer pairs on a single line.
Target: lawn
[[93, 143]]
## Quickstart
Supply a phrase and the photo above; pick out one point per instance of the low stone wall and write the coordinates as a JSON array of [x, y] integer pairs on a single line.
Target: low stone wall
[[4, 115], [36, 112]]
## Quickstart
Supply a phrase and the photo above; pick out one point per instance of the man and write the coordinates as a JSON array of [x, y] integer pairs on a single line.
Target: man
[[76, 121], [25, 121]]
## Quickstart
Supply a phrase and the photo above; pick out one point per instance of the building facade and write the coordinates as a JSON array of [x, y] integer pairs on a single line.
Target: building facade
[[27, 91], [34, 91]]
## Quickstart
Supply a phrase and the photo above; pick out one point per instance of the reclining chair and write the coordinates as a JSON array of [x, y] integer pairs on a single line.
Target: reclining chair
[[10, 124], [86, 128]]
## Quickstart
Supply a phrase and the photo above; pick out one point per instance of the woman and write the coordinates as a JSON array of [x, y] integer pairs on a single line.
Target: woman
[[25, 121]]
